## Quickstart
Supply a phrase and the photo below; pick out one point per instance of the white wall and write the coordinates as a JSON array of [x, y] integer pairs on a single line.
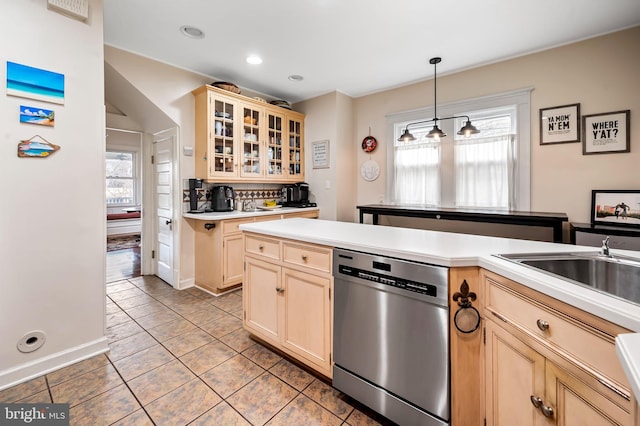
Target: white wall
[[52, 250]]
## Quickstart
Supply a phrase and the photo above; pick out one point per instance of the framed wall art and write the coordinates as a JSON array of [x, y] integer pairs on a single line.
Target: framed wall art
[[615, 207], [320, 154], [560, 124], [606, 133], [35, 83]]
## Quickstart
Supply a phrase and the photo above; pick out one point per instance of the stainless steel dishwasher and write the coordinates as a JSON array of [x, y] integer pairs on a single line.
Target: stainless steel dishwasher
[[391, 336]]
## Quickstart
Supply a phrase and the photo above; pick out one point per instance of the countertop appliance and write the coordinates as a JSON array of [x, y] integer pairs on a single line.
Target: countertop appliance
[[391, 336], [222, 198], [297, 195]]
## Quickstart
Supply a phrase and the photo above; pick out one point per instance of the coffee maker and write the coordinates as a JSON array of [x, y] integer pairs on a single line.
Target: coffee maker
[[297, 195]]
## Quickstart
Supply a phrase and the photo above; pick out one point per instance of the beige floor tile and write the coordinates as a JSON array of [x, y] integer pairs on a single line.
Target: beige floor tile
[[126, 294], [123, 330], [173, 298], [358, 418], [200, 294], [23, 390], [118, 286], [171, 329], [137, 418], [292, 374], [194, 305], [208, 356], [262, 398], [86, 386], [228, 303], [112, 307], [104, 409], [130, 345], [160, 381], [187, 342], [330, 398], [143, 361], [184, 404], [222, 326], [262, 356], [210, 313], [231, 375], [136, 301], [222, 414], [304, 411], [159, 318], [117, 318], [238, 340], [147, 309], [77, 369]]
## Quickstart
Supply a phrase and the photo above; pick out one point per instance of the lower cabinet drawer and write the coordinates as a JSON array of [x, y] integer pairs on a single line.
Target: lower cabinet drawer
[[262, 246], [579, 340], [312, 257], [230, 226]]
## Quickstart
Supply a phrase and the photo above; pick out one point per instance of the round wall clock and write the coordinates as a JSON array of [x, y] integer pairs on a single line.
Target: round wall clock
[[370, 170], [369, 144]]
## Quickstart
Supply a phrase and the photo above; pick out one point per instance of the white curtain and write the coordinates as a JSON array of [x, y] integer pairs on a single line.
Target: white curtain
[[485, 172], [417, 172]]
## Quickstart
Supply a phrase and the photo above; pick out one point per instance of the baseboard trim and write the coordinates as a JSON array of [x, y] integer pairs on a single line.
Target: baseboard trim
[[187, 283], [36, 368]]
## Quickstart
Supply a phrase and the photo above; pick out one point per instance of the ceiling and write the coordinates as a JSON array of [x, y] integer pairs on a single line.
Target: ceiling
[[357, 47]]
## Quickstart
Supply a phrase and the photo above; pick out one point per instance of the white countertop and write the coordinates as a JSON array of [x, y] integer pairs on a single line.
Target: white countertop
[[628, 350], [454, 250], [236, 214]]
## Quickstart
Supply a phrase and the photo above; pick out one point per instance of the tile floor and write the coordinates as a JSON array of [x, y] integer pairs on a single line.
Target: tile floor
[[182, 357]]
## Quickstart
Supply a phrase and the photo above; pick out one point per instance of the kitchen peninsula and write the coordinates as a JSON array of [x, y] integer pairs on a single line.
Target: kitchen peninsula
[[509, 295]]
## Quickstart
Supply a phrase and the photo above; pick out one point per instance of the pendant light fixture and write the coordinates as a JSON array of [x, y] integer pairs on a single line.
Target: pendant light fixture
[[435, 133]]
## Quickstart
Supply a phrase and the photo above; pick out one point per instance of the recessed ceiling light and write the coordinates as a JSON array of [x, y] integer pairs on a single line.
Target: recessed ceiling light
[[192, 32], [295, 77], [254, 60]]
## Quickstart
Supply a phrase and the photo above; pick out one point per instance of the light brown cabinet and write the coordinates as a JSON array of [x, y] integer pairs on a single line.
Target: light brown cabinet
[[547, 362], [287, 298], [239, 139], [219, 249]]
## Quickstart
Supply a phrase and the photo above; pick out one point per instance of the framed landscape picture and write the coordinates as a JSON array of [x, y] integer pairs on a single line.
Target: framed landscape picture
[[560, 124], [615, 207]]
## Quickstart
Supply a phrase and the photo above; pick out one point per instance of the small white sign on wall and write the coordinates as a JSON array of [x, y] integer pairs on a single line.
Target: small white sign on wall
[[320, 154]]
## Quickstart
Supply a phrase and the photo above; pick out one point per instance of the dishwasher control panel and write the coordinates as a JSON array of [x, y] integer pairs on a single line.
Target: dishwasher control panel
[[421, 288]]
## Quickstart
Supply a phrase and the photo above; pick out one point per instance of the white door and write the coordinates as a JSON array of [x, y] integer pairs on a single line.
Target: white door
[[163, 168]]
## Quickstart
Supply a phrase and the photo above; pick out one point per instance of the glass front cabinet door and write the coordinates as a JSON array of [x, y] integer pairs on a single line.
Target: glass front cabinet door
[[252, 141], [295, 145], [223, 160], [275, 136]]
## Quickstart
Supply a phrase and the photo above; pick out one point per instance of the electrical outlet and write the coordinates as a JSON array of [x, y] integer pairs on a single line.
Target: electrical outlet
[[78, 9]]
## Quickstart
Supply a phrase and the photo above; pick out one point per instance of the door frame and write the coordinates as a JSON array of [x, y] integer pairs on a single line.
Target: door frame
[[149, 225]]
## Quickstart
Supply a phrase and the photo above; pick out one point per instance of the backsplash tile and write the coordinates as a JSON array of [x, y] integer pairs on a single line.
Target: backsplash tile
[[243, 192]]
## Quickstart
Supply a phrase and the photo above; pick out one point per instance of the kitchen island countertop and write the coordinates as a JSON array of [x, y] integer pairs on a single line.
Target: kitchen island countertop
[[458, 250]]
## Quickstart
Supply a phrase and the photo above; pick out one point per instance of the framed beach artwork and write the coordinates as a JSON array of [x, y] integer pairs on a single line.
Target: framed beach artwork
[[615, 207], [34, 115], [35, 83]]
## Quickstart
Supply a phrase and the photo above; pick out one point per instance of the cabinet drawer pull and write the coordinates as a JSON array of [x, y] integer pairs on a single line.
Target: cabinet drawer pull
[[536, 401], [279, 290], [542, 325], [304, 257], [615, 389], [546, 411], [260, 247]]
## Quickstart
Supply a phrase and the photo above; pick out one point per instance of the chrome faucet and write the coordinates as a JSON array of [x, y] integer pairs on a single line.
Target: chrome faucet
[[604, 250]]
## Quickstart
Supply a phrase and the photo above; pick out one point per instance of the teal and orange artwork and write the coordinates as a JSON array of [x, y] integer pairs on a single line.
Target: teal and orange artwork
[[34, 83], [34, 115], [36, 147]]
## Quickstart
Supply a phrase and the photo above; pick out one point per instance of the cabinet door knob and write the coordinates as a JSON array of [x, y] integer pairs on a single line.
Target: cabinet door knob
[[304, 257], [260, 247], [547, 411], [542, 325], [279, 290], [536, 401]]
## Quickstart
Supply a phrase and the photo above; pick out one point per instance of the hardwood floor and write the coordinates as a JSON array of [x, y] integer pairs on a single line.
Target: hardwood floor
[[123, 264]]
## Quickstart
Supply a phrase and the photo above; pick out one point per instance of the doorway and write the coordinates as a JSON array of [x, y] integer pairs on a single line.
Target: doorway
[[124, 204]]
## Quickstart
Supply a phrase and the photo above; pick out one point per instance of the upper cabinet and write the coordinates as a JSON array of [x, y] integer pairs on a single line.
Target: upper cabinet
[[239, 139]]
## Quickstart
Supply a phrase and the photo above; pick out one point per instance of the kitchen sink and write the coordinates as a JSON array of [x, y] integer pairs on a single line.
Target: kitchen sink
[[615, 275]]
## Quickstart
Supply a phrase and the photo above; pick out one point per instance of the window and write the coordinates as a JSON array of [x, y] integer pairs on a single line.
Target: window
[[487, 170], [121, 179]]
